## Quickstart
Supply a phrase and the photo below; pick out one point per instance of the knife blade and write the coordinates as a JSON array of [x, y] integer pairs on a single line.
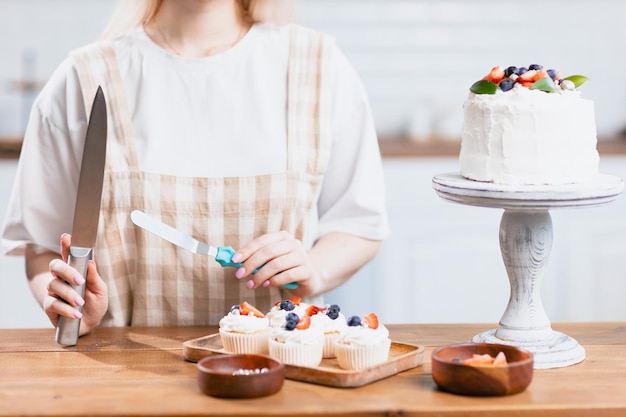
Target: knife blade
[[87, 208], [222, 254]]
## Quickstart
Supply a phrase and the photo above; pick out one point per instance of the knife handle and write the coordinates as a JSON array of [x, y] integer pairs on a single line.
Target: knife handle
[[67, 328], [225, 258]]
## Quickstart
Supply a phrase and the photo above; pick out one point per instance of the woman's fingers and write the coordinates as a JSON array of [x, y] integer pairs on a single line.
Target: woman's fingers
[[259, 248], [96, 299], [66, 240], [63, 271], [64, 300], [278, 259]]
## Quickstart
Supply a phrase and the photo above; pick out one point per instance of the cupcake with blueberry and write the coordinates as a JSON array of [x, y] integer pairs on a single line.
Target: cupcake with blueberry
[[332, 321], [279, 311], [245, 329], [297, 341], [364, 343]]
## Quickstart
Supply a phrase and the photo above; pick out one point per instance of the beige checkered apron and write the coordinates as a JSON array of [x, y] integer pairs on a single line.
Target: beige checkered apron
[[153, 283]]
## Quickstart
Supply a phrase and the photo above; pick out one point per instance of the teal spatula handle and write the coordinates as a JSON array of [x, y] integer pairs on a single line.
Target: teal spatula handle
[[225, 258]]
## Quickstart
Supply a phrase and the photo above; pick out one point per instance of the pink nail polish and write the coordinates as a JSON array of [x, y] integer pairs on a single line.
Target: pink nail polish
[[80, 301], [250, 284], [266, 283], [78, 280], [240, 273], [78, 314], [236, 258]]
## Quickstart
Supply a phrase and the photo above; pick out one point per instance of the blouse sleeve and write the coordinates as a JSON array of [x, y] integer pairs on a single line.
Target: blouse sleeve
[[41, 206], [352, 198]]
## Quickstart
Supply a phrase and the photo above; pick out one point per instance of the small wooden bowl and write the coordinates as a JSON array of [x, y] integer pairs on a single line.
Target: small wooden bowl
[[484, 380], [240, 375]]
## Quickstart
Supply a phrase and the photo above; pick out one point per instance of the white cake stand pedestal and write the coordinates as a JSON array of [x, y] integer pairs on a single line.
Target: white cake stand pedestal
[[525, 243]]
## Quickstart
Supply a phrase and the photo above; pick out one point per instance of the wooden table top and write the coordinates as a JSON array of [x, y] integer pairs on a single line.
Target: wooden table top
[[141, 371]]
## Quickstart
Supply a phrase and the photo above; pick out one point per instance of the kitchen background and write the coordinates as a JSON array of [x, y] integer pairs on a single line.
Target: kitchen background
[[417, 59]]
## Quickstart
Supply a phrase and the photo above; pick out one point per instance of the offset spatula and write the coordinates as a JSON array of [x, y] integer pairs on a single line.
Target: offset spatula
[[87, 209], [222, 254]]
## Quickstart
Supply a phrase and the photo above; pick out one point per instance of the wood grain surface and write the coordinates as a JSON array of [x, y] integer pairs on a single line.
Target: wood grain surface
[[142, 371]]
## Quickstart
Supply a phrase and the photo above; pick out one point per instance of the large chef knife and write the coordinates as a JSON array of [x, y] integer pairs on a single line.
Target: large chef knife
[[222, 254], [87, 209]]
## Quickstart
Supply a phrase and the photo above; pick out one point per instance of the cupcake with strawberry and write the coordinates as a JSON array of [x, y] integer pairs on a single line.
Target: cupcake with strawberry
[[279, 310], [364, 343], [332, 321], [245, 329], [297, 341]]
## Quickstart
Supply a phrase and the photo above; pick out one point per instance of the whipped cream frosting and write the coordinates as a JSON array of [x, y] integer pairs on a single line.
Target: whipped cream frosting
[[363, 336], [276, 315], [235, 322], [313, 335], [329, 325], [528, 136]]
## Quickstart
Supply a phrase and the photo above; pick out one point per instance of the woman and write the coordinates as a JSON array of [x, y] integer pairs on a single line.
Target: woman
[[235, 131]]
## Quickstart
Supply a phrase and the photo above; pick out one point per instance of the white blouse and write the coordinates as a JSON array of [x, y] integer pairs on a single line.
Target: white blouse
[[220, 116]]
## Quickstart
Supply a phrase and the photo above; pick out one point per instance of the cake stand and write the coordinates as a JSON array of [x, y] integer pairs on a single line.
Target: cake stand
[[525, 243]]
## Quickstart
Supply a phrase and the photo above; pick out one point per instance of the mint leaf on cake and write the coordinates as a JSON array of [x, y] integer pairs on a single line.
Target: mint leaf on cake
[[484, 87]]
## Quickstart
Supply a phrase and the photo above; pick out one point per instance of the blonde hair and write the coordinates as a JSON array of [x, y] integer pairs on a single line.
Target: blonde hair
[[129, 14]]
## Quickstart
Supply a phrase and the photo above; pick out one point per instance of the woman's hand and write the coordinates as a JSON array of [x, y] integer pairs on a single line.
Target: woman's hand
[[280, 259], [61, 299]]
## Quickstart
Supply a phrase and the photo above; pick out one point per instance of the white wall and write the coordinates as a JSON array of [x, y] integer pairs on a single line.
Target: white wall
[[421, 56], [417, 58], [35, 36]]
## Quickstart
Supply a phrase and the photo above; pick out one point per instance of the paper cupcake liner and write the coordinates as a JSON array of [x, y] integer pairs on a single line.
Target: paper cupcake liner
[[329, 345], [359, 357], [295, 354], [245, 342]]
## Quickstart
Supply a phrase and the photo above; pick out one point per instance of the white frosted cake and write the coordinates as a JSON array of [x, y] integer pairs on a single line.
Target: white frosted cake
[[528, 126]]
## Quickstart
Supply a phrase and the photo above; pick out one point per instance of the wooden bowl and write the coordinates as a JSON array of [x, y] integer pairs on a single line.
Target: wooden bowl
[[484, 380], [240, 375]]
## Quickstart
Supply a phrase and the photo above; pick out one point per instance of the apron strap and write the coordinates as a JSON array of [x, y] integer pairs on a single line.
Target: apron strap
[[308, 100], [96, 65]]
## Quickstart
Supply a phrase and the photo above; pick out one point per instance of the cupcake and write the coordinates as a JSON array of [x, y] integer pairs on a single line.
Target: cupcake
[[245, 330], [332, 321], [364, 343], [297, 342], [279, 311]]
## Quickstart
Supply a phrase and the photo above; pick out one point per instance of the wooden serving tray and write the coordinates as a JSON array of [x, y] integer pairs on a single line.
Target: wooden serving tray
[[402, 356]]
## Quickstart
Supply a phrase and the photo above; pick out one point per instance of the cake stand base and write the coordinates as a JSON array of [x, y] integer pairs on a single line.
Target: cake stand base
[[525, 244], [557, 351]]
